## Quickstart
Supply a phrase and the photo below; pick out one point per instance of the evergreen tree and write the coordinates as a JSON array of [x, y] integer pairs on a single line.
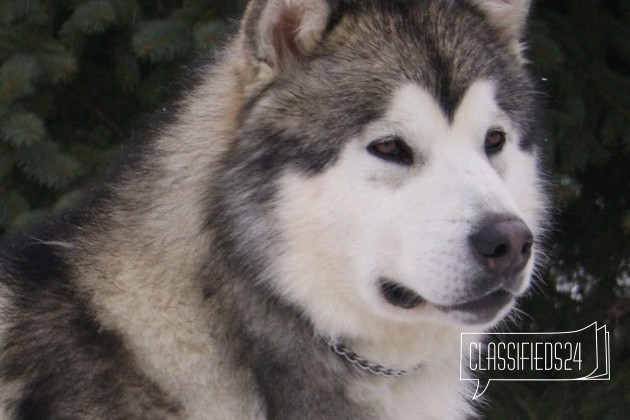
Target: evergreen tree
[[581, 54], [75, 76]]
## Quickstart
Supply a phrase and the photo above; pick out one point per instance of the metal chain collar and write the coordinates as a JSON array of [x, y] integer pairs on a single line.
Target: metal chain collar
[[366, 365]]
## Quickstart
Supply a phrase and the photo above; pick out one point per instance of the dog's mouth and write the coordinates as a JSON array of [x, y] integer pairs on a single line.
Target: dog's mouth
[[491, 302], [400, 296], [478, 310]]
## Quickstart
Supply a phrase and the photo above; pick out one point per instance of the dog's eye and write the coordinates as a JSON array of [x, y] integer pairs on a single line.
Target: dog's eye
[[495, 140], [392, 149]]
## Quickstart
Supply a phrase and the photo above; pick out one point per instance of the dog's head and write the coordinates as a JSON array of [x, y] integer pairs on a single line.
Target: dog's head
[[386, 165]]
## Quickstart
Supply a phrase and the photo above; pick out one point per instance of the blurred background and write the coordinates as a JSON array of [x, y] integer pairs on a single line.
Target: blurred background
[[79, 77]]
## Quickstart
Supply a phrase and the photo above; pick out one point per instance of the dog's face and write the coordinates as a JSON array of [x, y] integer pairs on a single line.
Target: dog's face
[[396, 161], [420, 217]]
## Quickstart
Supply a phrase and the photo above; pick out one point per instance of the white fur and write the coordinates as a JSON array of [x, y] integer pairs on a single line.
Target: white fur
[[365, 218]]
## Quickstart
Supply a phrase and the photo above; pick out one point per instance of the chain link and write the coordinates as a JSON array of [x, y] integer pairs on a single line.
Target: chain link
[[366, 365]]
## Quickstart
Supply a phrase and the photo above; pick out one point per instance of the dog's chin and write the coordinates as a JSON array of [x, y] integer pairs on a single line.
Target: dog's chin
[[483, 310]]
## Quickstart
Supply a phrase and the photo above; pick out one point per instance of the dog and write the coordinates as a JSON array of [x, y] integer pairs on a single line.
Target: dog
[[346, 188]]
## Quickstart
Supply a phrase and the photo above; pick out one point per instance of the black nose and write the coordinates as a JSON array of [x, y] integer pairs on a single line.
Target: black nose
[[503, 247]]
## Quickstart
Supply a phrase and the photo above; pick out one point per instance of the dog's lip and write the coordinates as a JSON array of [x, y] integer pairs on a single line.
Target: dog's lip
[[398, 295], [482, 307], [492, 302]]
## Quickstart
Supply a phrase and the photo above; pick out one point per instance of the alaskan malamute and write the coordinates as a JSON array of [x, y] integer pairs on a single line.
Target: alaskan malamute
[[350, 186]]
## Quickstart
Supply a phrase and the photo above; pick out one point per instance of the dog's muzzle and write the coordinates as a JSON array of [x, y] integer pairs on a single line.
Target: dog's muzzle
[[502, 248]]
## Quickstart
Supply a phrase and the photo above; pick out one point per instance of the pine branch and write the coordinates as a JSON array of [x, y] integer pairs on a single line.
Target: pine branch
[[100, 114]]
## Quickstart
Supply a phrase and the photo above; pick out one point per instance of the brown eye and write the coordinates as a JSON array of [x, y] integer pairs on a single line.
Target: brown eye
[[495, 140], [392, 149]]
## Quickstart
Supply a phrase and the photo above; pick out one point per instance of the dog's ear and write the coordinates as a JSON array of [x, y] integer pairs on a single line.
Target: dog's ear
[[508, 16], [279, 33]]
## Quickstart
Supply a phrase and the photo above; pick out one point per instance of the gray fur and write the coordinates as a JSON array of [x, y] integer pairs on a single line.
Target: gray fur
[[197, 203]]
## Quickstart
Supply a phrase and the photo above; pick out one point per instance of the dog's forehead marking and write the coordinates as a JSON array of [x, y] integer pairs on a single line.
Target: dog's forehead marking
[[416, 112]]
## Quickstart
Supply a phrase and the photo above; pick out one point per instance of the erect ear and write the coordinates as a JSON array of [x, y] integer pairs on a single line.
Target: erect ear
[[279, 33], [508, 16]]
